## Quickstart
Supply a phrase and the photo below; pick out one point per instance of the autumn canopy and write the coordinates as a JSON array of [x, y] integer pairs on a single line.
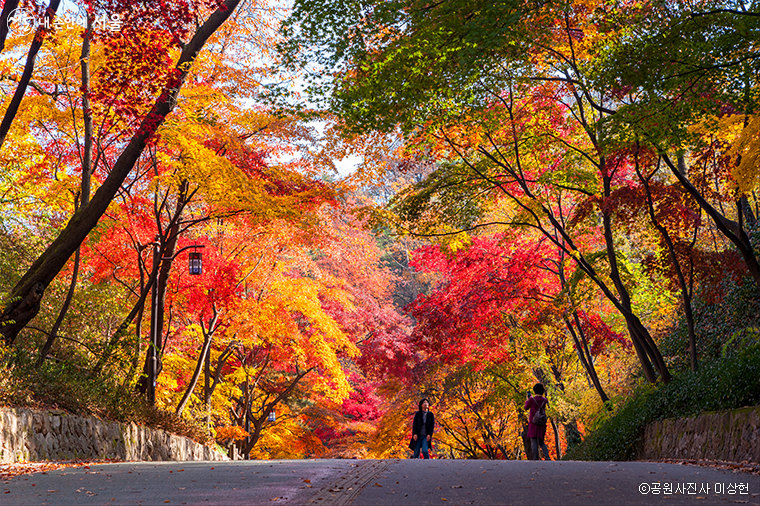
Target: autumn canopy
[[386, 200]]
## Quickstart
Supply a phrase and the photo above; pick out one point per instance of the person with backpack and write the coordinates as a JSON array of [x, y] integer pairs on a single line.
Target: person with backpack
[[537, 421]]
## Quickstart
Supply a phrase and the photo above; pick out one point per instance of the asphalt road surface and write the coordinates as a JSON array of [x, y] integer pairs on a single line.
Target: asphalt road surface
[[383, 483]]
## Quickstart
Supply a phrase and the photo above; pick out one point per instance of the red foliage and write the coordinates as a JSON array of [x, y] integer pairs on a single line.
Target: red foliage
[[177, 17], [216, 287], [362, 405], [485, 290], [600, 334]]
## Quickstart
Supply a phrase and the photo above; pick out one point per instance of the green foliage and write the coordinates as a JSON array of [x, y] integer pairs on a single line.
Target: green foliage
[[63, 385], [727, 383], [676, 63], [451, 195], [724, 326], [414, 61]]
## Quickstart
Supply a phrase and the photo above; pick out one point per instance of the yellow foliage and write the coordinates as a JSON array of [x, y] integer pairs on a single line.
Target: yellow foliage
[[230, 432], [745, 146], [287, 438]]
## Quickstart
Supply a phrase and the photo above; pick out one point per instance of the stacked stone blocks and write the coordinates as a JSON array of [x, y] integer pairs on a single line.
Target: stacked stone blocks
[[731, 436], [30, 435]]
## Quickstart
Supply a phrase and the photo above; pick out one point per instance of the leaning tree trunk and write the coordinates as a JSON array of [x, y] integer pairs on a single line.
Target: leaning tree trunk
[[584, 354], [26, 76], [29, 291], [86, 185], [685, 292], [579, 338], [8, 7], [203, 356], [733, 230], [649, 355]]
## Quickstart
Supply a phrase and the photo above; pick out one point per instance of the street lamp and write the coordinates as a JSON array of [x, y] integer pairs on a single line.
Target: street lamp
[[196, 263]]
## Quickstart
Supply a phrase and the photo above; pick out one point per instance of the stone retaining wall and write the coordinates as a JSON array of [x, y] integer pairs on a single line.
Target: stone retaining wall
[[28, 435], [732, 436]]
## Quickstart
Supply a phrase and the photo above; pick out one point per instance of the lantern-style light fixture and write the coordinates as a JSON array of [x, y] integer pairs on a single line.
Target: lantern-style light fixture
[[196, 263], [271, 417]]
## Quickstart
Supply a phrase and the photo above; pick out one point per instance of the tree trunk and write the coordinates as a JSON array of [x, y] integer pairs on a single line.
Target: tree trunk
[[169, 240], [646, 349], [167, 261], [30, 290], [85, 186], [203, 357], [136, 312], [584, 355], [731, 229], [557, 446], [749, 216], [8, 7], [164, 259], [211, 381], [61, 314], [685, 292], [26, 76], [258, 422]]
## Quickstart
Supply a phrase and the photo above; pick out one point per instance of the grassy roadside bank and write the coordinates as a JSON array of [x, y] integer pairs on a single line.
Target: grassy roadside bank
[[727, 383]]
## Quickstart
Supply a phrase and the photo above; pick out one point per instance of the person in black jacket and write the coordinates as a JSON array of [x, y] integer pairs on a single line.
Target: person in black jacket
[[422, 430]]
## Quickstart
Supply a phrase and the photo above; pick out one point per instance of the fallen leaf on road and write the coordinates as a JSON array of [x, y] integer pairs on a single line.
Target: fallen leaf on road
[[377, 484], [736, 467], [307, 480], [8, 471]]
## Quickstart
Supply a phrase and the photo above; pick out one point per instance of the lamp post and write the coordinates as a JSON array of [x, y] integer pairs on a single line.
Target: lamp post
[[154, 339], [195, 268]]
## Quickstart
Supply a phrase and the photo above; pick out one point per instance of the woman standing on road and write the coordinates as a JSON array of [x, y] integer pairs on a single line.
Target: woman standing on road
[[422, 430], [537, 431]]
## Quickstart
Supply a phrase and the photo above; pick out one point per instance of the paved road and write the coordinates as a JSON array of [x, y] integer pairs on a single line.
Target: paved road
[[383, 483]]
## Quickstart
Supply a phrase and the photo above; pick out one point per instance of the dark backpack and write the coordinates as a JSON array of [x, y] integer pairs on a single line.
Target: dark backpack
[[540, 417]]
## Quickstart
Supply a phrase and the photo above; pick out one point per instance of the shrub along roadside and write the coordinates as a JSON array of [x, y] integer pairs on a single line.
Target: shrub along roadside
[[728, 383], [61, 385]]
